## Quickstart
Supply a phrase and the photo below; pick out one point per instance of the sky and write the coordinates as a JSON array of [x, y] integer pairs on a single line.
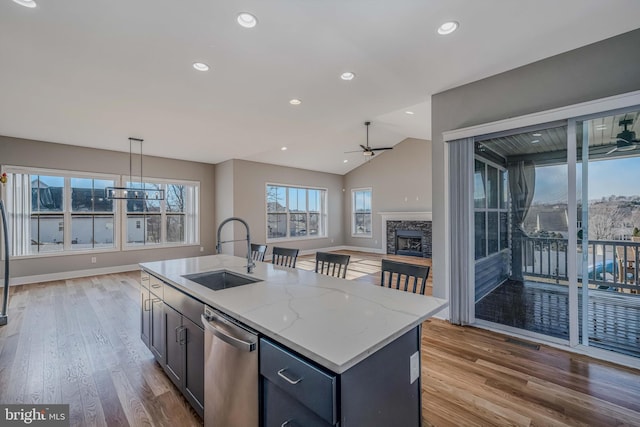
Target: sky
[[620, 177]]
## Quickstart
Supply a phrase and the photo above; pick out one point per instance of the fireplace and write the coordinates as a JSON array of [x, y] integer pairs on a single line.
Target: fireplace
[[409, 242], [407, 237]]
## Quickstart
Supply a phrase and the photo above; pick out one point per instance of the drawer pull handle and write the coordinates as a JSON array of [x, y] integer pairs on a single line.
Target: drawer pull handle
[[147, 306], [287, 379], [155, 285]]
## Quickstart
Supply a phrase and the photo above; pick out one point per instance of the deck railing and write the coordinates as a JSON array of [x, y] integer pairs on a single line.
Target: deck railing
[[613, 264]]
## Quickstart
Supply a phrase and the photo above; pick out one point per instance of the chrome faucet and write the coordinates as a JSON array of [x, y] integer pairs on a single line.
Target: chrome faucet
[[250, 263]]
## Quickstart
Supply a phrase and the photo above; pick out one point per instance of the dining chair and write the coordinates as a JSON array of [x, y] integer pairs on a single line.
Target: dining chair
[[284, 256], [332, 264], [258, 252], [403, 276]]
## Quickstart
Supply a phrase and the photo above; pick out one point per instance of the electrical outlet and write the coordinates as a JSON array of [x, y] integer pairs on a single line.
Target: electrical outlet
[[201, 248], [331, 240], [93, 260], [414, 369]]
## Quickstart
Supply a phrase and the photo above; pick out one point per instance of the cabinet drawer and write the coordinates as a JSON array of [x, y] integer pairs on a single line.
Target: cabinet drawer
[[144, 279], [309, 385], [281, 410], [190, 307], [156, 286]]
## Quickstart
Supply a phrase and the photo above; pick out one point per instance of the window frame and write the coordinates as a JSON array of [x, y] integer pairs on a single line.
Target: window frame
[[354, 191], [163, 182], [323, 213], [119, 212], [67, 212], [497, 210]]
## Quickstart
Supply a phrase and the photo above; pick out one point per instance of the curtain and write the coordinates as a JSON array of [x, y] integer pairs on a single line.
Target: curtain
[[461, 238], [522, 179], [18, 204]]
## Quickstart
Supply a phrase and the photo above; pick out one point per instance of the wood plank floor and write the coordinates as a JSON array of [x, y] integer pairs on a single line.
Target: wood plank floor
[[77, 342]]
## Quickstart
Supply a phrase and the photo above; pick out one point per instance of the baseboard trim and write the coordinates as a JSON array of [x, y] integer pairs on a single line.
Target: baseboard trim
[[39, 278]]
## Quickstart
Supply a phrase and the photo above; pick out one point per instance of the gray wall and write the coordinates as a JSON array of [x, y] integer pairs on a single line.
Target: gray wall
[[248, 190], [401, 182], [23, 152], [224, 202], [606, 68]]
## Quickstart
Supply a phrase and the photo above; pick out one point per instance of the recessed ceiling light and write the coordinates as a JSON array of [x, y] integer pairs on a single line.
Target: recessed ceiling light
[[26, 3], [284, 148], [411, 113], [447, 28], [535, 141], [295, 101], [601, 127], [200, 66], [345, 161], [348, 76], [247, 20], [536, 134]]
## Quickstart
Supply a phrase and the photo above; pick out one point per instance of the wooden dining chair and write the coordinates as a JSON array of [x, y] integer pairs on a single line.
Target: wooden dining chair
[[332, 264], [284, 256], [403, 276], [258, 252]]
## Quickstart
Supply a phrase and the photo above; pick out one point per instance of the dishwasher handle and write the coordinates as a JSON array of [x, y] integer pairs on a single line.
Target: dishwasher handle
[[240, 344]]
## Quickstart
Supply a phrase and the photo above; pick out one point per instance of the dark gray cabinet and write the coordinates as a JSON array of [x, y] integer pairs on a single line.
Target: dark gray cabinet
[[378, 391], [157, 325], [145, 309], [169, 325], [173, 360]]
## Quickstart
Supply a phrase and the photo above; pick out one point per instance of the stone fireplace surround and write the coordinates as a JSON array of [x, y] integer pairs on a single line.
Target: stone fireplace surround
[[392, 221]]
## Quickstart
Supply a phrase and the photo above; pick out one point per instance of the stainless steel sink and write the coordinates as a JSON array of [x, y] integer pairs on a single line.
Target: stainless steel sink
[[221, 279]]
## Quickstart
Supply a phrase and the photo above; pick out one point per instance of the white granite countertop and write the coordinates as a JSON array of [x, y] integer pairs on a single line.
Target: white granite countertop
[[334, 322]]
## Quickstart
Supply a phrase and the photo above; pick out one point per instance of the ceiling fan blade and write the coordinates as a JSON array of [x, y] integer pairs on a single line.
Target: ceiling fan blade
[[354, 151], [611, 151], [381, 148], [364, 148]]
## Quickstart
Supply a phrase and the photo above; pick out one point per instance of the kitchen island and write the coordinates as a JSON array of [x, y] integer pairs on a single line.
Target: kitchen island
[[366, 336]]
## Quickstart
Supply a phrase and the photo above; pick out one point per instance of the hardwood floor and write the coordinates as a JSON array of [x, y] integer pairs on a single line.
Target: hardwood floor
[[77, 342]]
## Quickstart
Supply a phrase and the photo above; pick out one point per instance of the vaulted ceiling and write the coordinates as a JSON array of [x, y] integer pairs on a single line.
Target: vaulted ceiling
[[92, 73]]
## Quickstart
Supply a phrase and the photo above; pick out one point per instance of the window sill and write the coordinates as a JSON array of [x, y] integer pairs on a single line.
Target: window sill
[[362, 236], [100, 251], [158, 246], [295, 239]]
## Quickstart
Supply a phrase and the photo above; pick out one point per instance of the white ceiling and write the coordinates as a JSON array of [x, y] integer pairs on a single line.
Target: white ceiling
[[94, 72]]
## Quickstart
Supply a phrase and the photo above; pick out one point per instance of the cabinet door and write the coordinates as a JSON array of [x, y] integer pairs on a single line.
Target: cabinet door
[[174, 350], [281, 409], [145, 316], [157, 337], [194, 365]]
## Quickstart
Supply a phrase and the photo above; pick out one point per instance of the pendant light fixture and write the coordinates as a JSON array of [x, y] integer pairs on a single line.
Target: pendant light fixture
[[134, 193]]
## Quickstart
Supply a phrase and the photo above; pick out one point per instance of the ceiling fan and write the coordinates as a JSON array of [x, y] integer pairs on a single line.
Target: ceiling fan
[[625, 140], [366, 149]]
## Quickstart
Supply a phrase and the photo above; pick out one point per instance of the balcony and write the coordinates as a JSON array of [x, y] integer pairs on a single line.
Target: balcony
[[540, 302]]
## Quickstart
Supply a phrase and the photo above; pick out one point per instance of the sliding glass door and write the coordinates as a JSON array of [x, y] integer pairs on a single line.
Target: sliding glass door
[[521, 221], [608, 181]]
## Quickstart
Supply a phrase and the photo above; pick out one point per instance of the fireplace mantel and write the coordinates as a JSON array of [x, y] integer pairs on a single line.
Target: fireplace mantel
[[404, 216], [400, 216]]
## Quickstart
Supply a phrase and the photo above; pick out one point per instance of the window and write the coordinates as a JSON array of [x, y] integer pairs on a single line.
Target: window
[[158, 222], [295, 212], [491, 214], [92, 215], [361, 212], [58, 212]]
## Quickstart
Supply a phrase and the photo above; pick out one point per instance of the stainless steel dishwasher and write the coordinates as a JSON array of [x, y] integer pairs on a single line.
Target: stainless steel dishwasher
[[230, 372]]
